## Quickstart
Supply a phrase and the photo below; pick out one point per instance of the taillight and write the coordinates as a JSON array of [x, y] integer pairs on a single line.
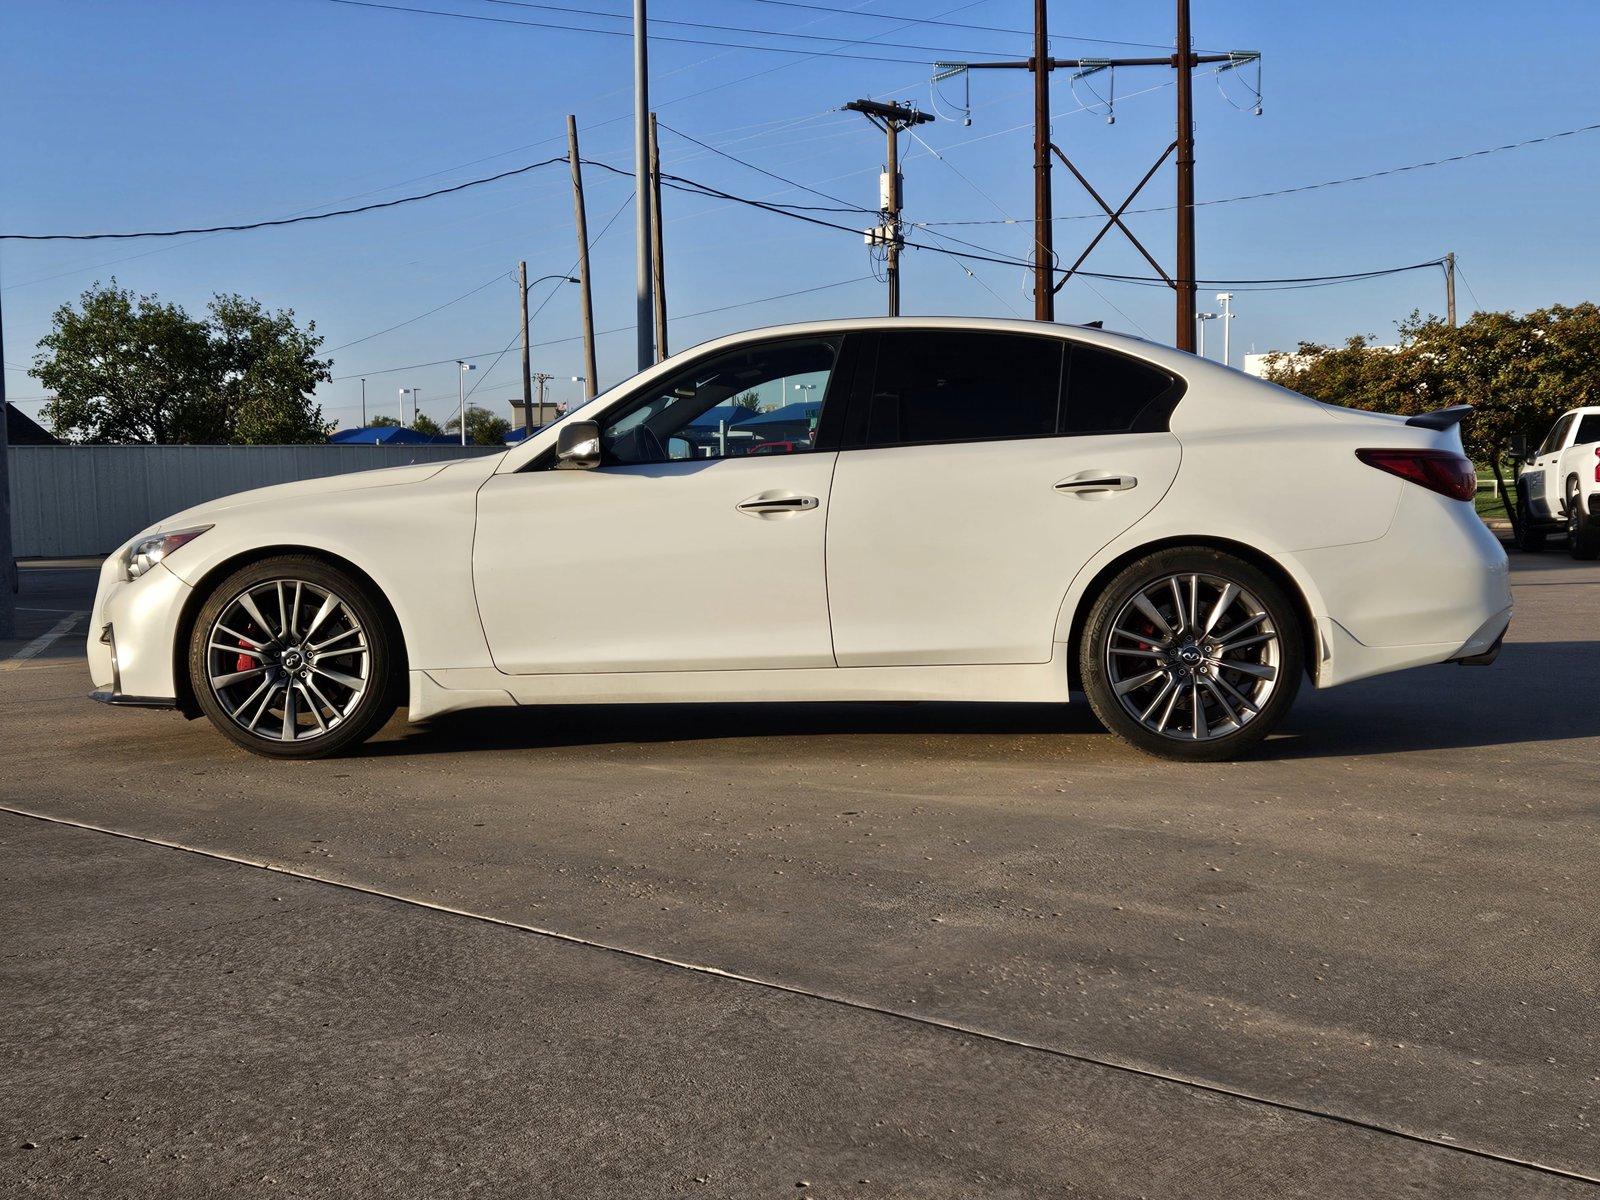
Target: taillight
[[1443, 471], [1597, 464]]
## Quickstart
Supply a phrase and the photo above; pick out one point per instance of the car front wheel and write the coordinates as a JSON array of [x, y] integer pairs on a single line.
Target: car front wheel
[[1192, 654], [292, 657]]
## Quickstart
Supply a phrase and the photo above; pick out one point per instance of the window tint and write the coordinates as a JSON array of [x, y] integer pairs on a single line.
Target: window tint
[[756, 400], [1588, 430], [1558, 434], [1108, 393], [942, 386]]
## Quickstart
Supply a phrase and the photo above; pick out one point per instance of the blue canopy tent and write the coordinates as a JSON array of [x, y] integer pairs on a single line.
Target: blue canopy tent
[[382, 435]]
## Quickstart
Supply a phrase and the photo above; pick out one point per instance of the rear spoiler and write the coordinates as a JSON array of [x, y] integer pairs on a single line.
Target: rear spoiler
[[1442, 418]]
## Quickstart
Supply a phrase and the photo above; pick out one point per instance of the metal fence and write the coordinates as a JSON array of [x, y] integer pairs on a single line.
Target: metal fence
[[84, 500]]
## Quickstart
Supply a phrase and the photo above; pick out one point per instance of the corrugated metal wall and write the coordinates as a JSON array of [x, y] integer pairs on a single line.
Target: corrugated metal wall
[[81, 500]]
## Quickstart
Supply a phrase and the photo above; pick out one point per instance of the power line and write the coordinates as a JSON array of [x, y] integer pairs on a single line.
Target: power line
[[280, 221], [1310, 187], [412, 320], [769, 174], [704, 312], [808, 37], [849, 12], [623, 33]]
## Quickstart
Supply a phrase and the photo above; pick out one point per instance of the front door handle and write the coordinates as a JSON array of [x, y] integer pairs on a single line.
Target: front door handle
[[1097, 481], [777, 504]]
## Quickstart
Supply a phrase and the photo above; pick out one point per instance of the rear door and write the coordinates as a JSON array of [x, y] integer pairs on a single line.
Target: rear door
[[979, 472], [1545, 496]]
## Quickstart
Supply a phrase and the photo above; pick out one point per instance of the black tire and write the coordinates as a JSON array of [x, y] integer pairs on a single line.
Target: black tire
[[1277, 614], [351, 715], [1530, 537], [1583, 531]]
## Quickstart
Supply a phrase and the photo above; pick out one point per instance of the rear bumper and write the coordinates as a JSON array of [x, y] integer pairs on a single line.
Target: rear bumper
[[1436, 588]]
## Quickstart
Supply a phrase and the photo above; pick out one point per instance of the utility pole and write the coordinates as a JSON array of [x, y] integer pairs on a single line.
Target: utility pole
[[658, 265], [1044, 259], [527, 387], [891, 118], [644, 309], [8, 564], [1450, 286], [1184, 285], [363, 404], [461, 394], [1048, 278], [581, 220]]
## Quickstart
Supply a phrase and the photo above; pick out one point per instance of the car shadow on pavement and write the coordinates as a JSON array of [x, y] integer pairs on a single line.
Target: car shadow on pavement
[[1431, 708]]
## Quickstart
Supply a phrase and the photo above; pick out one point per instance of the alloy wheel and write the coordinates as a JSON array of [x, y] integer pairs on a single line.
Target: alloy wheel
[[288, 660], [1193, 656]]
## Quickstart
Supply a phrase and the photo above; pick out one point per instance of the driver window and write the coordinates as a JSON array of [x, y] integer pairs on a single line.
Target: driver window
[[755, 400], [1557, 436]]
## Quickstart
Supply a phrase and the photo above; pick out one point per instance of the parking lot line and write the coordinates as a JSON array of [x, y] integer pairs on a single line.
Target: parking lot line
[[1436, 1142], [43, 642]]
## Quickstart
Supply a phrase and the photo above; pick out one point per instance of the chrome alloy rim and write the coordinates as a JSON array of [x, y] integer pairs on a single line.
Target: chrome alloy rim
[[1193, 657], [287, 660]]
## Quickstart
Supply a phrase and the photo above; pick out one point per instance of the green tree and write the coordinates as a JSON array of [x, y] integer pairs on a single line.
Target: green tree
[[383, 421], [1518, 372], [126, 368], [483, 427], [266, 369], [423, 423]]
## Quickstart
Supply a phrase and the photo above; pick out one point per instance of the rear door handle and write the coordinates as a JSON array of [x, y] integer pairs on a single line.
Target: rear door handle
[[1097, 481], [771, 504]]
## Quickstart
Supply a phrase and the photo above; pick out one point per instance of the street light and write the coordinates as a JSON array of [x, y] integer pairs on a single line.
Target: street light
[[414, 394], [1200, 322], [462, 367], [1226, 300]]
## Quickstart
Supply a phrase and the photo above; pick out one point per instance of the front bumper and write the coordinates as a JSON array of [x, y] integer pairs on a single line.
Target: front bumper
[[132, 637]]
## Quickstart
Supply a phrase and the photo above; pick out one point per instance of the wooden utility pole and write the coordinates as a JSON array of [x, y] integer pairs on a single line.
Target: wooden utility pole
[[8, 564], [1044, 280], [1450, 286], [591, 383], [527, 361], [658, 265], [1048, 278], [644, 307], [891, 118], [1184, 284]]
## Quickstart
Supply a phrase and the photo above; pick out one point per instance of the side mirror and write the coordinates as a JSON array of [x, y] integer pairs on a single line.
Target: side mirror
[[578, 446], [679, 449], [1519, 446]]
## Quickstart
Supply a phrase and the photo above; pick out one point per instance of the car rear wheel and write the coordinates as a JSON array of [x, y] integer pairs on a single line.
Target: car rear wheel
[[1192, 654], [292, 657], [1583, 531]]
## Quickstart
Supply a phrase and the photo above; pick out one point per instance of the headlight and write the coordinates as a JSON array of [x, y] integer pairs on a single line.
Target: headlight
[[142, 555]]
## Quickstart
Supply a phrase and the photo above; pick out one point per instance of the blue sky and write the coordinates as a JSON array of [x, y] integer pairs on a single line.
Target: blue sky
[[123, 115]]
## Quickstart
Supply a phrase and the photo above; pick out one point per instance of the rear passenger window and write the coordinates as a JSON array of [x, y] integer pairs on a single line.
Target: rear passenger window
[[1588, 430], [1111, 393], [945, 386]]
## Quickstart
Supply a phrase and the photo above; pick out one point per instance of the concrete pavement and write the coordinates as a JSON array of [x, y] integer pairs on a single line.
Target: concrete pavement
[[1385, 919]]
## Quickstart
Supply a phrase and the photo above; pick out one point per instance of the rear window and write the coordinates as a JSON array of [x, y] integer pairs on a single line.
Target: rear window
[[1111, 393]]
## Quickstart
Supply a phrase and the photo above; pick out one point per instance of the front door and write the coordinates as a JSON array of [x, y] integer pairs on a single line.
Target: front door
[[977, 488], [697, 544]]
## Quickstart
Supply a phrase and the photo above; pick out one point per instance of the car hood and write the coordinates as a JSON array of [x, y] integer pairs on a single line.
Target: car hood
[[328, 485]]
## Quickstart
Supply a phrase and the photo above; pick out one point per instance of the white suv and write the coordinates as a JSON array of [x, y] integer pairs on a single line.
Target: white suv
[[1559, 486]]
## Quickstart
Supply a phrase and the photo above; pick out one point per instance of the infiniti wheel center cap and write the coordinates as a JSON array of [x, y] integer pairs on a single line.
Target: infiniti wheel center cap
[[293, 660], [1189, 655]]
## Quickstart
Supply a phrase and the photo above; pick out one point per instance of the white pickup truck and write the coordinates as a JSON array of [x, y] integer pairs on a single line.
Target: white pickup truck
[[1558, 486]]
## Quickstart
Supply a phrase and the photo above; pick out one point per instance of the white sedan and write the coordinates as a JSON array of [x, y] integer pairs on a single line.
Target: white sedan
[[892, 509]]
